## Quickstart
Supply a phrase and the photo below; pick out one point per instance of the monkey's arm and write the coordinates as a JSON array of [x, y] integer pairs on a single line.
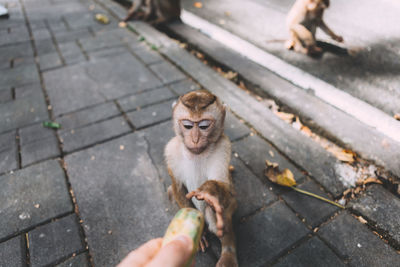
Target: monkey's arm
[[220, 197], [179, 192], [328, 31]]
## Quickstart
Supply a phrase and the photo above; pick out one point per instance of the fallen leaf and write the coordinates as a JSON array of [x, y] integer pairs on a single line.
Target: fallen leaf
[[102, 18], [344, 155], [122, 24], [288, 117], [397, 116], [231, 168], [307, 131], [284, 178], [362, 220], [372, 180], [198, 4]]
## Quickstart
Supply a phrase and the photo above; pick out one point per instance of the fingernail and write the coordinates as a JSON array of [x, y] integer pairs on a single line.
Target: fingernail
[[186, 241]]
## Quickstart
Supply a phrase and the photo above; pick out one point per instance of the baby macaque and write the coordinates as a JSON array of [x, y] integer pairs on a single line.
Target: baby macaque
[[198, 162], [302, 22], [154, 11]]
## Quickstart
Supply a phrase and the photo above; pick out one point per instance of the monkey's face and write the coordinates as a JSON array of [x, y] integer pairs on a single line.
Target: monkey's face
[[196, 134]]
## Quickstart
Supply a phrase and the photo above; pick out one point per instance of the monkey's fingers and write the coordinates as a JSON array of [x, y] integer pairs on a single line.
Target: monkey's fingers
[[192, 194], [203, 244]]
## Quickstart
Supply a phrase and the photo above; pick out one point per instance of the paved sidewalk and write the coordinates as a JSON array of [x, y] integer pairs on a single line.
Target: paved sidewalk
[[88, 193]]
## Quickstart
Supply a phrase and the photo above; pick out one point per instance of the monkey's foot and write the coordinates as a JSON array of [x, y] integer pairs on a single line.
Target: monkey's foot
[[203, 243], [289, 44], [213, 202], [315, 51], [227, 259]]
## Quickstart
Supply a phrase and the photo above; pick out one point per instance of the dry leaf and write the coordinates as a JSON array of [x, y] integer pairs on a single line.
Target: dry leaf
[[122, 24], [288, 117], [372, 180], [198, 5], [362, 220], [231, 168], [344, 155], [307, 131], [284, 178], [397, 116]]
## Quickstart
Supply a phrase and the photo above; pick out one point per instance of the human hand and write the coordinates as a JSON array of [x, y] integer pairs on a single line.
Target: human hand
[[151, 254]]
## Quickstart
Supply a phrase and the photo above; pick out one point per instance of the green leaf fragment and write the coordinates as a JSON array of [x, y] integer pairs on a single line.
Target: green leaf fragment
[[50, 124], [141, 38]]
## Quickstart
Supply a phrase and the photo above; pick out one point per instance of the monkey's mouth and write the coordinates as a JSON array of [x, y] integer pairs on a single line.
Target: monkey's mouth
[[196, 150]]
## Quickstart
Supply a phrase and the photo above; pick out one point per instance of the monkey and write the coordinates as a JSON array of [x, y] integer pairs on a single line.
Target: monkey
[[197, 160], [154, 11], [302, 22]]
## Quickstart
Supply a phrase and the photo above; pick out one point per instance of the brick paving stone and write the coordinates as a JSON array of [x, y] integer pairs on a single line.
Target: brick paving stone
[[41, 34], [254, 151], [357, 243], [151, 115], [87, 85], [54, 241], [22, 61], [71, 53], [13, 253], [312, 253], [251, 193], [119, 191], [88, 116], [313, 210], [19, 76], [109, 52], [37, 143], [102, 40], [235, 129], [148, 56], [167, 72], [94, 133], [5, 95], [49, 61], [45, 47], [16, 34], [182, 87], [42, 184], [267, 234], [71, 35], [20, 50], [145, 98], [8, 152], [382, 208], [80, 260], [23, 111]]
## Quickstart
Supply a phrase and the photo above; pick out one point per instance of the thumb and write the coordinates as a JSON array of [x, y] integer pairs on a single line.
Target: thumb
[[174, 254]]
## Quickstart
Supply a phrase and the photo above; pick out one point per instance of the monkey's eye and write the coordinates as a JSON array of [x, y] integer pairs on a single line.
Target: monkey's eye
[[204, 124], [187, 124]]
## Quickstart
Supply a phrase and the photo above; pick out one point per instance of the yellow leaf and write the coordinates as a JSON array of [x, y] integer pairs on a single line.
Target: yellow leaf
[[286, 178], [198, 4], [372, 180]]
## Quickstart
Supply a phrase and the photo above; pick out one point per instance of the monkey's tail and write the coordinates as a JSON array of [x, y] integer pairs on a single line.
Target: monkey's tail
[[334, 49], [276, 41]]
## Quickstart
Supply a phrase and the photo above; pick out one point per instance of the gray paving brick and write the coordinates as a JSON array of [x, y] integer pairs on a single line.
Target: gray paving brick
[[234, 128], [90, 86], [5, 95], [37, 144], [148, 56], [264, 236], [145, 98], [251, 193], [382, 208], [314, 211], [312, 253], [80, 260], [41, 34], [254, 151], [19, 76], [355, 242], [22, 61], [54, 241], [88, 116], [71, 35], [8, 152], [28, 90], [120, 204], [92, 134], [71, 53], [23, 111], [49, 61], [22, 191], [17, 34], [109, 52], [182, 87], [45, 47], [151, 114], [102, 40], [167, 72], [20, 50], [13, 253]]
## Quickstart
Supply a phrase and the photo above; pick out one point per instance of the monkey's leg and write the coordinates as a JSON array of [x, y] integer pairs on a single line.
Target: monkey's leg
[[228, 244], [307, 43], [179, 192], [133, 12]]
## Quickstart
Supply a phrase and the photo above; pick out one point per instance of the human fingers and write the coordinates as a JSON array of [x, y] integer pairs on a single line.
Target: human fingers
[[174, 254], [142, 255]]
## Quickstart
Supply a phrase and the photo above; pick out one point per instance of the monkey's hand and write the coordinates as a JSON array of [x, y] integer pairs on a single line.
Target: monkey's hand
[[213, 193], [338, 38]]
